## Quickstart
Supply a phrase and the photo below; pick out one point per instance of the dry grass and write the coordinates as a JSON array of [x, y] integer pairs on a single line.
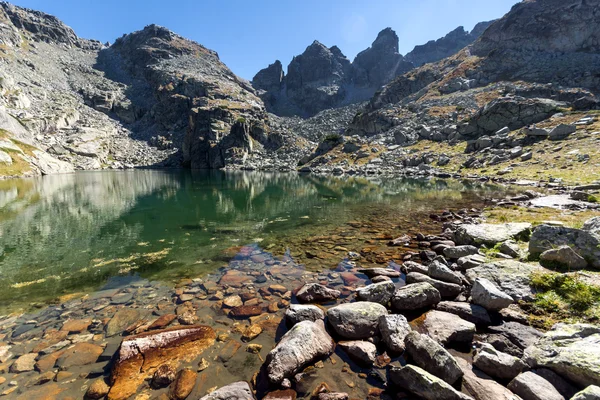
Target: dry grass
[[537, 216]]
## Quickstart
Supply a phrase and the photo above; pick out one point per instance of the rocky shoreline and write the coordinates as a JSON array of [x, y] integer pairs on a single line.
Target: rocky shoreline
[[449, 322]]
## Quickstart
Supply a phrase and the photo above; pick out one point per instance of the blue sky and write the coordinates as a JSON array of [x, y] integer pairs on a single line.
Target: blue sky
[[249, 35]]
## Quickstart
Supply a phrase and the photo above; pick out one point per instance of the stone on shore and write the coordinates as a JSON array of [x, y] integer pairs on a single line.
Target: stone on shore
[[316, 293], [25, 363], [490, 234], [356, 320], [570, 350], [302, 345], [439, 271], [299, 312], [423, 384], [183, 384], [393, 329], [377, 292], [460, 251], [562, 257], [446, 289], [510, 276], [530, 386], [361, 352], [97, 389], [415, 296], [487, 295], [469, 312], [591, 392], [481, 386], [448, 328], [234, 391], [497, 364], [432, 357]]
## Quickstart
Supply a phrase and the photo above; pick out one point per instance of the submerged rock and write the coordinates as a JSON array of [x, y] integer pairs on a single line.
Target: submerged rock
[[423, 384], [356, 320], [393, 329], [234, 391], [415, 296], [302, 345], [298, 313], [431, 356], [572, 351], [316, 293]]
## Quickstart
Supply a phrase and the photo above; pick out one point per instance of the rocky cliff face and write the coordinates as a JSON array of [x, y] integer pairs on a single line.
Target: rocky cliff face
[[450, 44]]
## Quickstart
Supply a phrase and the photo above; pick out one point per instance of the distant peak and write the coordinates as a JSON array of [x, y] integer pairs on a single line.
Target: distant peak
[[387, 39]]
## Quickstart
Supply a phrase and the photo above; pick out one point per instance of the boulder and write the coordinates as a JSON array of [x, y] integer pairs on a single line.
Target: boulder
[[591, 392], [510, 276], [518, 334], [140, 355], [377, 292], [561, 131], [510, 248], [487, 295], [361, 352], [182, 386], [302, 345], [415, 296], [356, 320], [448, 328], [316, 293], [234, 391], [565, 388], [460, 251], [431, 356], [584, 241], [562, 257], [439, 271], [468, 262], [482, 386], [491, 234], [446, 289], [393, 329], [530, 386], [469, 312], [423, 384], [497, 364], [298, 313], [371, 272], [572, 351]]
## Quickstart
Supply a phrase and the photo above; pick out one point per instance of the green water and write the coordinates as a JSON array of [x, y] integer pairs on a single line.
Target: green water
[[70, 233]]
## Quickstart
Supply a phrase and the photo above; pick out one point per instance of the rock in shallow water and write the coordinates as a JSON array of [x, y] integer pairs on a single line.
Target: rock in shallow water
[[431, 356], [298, 313], [234, 391], [393, 329], [446, 289], [302, 345], [447, 328], [316, 293], [361, 352], [356, 320], [415, 296]]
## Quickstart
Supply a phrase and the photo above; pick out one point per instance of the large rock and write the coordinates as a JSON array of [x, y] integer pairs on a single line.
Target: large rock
[[361, 352], [591, 392], [460, 251], [121, 320], [393, 329], [234, 391], [316, 293], [482, 386], [510, 276], [518, 334], [562, 257], [585, 241], [377, 292], [139, 356], [446, 289], [448, 328], [469, 312], [415, 296], [531, 386], [439, 271], [497, 364], [431, 356], [423, 384], [572, 351], [490, 234], [487, 295], [356, 320], [298, 313], [302, 345]]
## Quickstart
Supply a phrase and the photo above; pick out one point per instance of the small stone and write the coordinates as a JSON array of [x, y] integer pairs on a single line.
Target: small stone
[[76, 325], [361, 352], [183, 385], [25, 363], [251, 333], [97, 389], [163, 376], [203, 364], [316, 293], [232, 301], [254, 348]]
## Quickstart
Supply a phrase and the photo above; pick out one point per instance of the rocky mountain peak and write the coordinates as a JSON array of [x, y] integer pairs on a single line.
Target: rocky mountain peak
[[269, 79], [387, 39]]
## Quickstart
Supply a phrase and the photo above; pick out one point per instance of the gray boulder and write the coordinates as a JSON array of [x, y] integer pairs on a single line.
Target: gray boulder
[[377, 292], [298, 313], [316, 293], [415, 296], [361, 352], [497, 364], [371, 272], [448, 328], [533, 387], [562, 256], [561, 131], [469, 312], [481, 386], [467, 262], [411, 266], [446, 289], [591, 392], [423, 384], [572, 351], [522, 336], [510, 276], [234, 391], [439, 271], [358, 320], [510, 248], [302, 345], [460, 251], [393, 329], [491, 234], [487, 295], [432, 357]]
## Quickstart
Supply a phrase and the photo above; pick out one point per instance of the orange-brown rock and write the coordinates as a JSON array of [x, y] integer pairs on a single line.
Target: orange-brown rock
[[162, 322], [140, 355], [183, 385], [78, 355], [228, 351], [234, 278], [76, 325], [50, 338], [245, 311], [288, 394], [49, 391]]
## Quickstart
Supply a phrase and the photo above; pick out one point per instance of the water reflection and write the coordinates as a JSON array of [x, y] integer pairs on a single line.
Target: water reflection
[[71, 232]]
